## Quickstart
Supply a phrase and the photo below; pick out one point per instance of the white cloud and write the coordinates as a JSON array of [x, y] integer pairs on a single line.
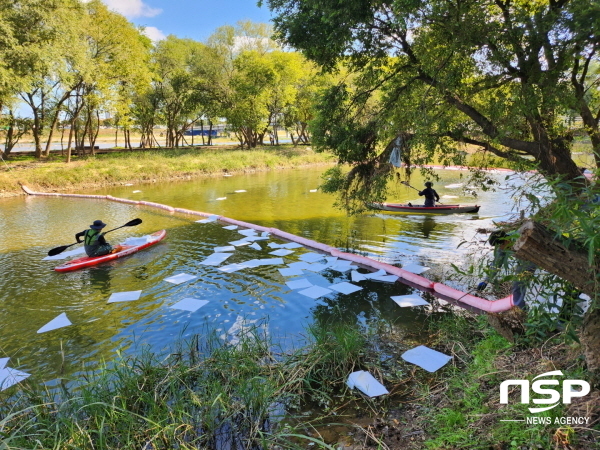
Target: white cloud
[[132, 8], [154, 34]]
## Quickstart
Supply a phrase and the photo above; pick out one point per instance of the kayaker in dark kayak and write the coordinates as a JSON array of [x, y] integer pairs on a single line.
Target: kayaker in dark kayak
[[430, 195], [94, 242]]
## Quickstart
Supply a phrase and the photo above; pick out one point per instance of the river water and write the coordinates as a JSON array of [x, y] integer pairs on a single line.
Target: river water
[[32, 294]]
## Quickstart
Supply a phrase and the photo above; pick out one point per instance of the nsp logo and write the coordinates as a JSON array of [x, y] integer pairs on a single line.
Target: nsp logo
[[568, 393]]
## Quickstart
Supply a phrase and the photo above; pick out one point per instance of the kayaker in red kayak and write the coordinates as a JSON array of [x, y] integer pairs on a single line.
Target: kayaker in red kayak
[[93, 239], [430, 195]]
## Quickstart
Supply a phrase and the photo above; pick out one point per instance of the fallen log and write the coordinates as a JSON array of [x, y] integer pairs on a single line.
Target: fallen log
[[540, 246]]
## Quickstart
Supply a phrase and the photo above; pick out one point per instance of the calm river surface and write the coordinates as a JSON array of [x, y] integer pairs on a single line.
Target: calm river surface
[[32, 294]]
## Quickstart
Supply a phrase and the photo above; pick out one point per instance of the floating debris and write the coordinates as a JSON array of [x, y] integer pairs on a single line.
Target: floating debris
[[426, 358], [415, 268], [410, 300], [59, 321], [299, 283], [180, 278], [189, 304], [127, 296], [345, 287], [366, 383], [315, 292]]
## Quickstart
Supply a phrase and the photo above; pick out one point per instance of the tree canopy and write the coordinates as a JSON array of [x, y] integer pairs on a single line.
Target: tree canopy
[[501, 75]]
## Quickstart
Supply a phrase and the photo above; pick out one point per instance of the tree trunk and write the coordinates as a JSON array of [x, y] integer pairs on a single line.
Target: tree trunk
[[539, 245]]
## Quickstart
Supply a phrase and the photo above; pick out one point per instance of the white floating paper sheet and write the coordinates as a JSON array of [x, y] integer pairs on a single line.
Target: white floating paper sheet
[[405, 301], [454, 186], [221, 198], [180, 278], [334, 259], [299, 284], [449, 196], [230, 227], [386, 278], [58, 322], [415, 268], [64, 255], [301, 265], [345, 287], [255, 238], [240, 191], [265, 234], [311, 257], [275, 245], [136, 192], [316, 267], [426, 358], [232, 267], [366, 383], [225, 249], [127, 296], [290, 272], [251, 263], [357, 276], [379, 273], [291, 245], [270, 262], [3, 362], [189, 304], [210, 218], [10, 377], [313, 190], [239, 243], [255, 246], [215, 259], [281, 252], [315, 292], [247, 232], [338, 267]]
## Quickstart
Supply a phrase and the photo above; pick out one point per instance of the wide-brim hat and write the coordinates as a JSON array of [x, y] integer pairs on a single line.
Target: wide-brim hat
[[97, 225]]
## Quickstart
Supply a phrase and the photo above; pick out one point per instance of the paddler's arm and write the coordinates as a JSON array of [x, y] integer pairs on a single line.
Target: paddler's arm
[[79, 235]]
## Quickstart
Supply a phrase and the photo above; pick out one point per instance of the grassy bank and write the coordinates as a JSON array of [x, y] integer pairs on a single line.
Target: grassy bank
[[144, 166], [213, 395]]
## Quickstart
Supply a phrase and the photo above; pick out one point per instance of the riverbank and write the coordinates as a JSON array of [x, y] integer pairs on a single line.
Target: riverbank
[[208, 394], [149, 166]]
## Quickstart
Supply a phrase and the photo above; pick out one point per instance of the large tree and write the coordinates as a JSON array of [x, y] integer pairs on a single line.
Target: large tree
[[497, 74]]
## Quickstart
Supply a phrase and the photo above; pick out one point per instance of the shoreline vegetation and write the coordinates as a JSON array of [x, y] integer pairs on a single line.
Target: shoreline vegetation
[[148, 166], [210, 394]]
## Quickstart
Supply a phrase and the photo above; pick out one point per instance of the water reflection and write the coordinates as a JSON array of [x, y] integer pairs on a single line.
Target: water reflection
[[32, 294]]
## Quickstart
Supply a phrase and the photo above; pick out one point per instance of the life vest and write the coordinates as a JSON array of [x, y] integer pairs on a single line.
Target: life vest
[[90, 241]]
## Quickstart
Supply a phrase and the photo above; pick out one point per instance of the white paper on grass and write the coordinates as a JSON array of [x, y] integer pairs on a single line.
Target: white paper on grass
[[180, 278], [230, 227], [10, 377], [311, 257], [225, 249], [405, 301], [379, 273], [415, 268], [215, 259], [426, 358], [281, 252], [3, 362], [345, 287], [58, 322], [356, 276], [290, 272], [366, 383], [387, 278], [315, 292], [299, 284], [316, 267], [291, 245], [127, 296], [255, 246], [239, 243], [189, 304]]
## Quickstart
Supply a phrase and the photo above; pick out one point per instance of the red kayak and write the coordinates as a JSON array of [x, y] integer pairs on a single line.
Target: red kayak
[[127, 248], [413, 209]]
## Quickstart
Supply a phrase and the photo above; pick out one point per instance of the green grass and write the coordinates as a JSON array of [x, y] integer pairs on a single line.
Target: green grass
[[151, 165]]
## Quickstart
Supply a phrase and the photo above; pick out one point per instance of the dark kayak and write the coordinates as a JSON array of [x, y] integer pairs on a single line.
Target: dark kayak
[[121, 250], [414, 209]]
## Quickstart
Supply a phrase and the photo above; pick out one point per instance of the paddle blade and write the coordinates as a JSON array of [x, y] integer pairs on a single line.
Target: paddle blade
[[133, 223], [57, 250]]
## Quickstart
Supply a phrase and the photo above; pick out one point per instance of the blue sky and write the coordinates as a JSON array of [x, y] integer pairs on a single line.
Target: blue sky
[[195, 19]]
